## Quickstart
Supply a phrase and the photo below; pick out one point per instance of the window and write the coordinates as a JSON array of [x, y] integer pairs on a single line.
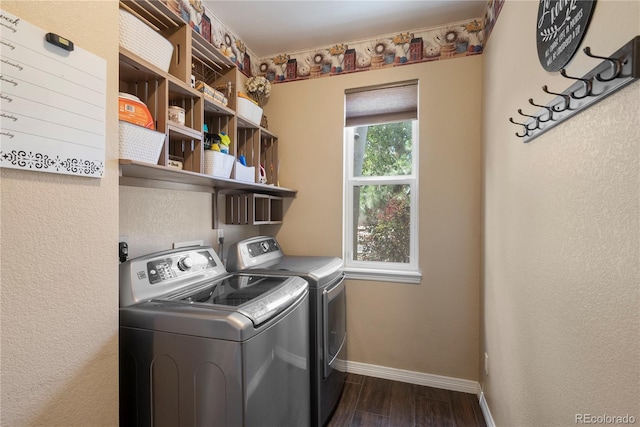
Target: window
[[380, 183]]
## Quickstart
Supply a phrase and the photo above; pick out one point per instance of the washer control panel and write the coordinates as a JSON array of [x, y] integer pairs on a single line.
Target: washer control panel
[[151, 276], [178, 265]]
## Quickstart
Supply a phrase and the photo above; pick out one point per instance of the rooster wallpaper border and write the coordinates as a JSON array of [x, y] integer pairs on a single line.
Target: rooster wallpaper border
[[453, 40]]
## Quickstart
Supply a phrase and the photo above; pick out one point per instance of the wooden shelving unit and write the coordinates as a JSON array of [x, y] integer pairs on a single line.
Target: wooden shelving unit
[[159, 90]]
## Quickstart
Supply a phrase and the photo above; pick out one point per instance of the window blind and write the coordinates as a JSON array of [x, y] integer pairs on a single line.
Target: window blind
[[382, 103]]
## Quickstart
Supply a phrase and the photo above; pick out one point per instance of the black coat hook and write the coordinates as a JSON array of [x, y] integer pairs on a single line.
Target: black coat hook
[[617, 65], [567, 100], [550, 109], [526, 128], [535, 118], [588, 85]]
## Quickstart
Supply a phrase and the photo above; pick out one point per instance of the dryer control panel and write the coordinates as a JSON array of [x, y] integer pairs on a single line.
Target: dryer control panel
[[253, 252], [262, 247]]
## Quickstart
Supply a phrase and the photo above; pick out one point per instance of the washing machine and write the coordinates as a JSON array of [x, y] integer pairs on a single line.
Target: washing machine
[[327, 311], [202, 347]]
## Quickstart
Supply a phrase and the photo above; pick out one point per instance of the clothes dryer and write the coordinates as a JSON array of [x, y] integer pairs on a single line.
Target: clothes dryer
[[327, 310]]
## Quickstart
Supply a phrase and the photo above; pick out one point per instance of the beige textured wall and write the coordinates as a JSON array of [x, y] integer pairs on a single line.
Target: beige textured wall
[[153, 219], [432, 327], [562, 234], [59, 267]]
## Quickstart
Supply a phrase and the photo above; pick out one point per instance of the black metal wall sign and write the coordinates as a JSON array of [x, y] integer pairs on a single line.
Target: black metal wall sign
[[561, 26]]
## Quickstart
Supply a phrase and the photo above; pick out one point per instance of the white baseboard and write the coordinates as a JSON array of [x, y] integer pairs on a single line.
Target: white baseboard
[[419, 378], [486, 413]]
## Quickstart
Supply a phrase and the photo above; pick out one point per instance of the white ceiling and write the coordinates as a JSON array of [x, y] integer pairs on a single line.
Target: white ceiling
[[269, 27]]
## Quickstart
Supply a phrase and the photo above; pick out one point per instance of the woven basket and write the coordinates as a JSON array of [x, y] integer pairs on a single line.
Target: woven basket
[[139, 38], [139, 143], [218, 164]]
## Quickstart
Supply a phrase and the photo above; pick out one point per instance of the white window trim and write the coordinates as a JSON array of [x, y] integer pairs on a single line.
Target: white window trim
[[375, 275], [379, 271]]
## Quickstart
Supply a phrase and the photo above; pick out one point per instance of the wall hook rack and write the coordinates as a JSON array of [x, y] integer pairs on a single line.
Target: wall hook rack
[[611, 75]]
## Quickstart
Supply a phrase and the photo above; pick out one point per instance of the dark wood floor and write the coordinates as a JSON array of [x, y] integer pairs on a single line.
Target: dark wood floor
[[376, 402]]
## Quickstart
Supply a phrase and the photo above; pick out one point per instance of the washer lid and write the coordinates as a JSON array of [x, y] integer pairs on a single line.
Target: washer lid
[[234, 309], [257, 297]]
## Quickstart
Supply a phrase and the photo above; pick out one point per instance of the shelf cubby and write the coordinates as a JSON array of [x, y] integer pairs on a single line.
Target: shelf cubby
[[253, 209]]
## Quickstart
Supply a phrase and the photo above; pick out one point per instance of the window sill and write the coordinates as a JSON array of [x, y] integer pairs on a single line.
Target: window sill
[[396, 276]]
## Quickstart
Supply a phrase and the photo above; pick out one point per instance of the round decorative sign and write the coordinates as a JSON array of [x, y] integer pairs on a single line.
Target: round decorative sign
[[561, 26]]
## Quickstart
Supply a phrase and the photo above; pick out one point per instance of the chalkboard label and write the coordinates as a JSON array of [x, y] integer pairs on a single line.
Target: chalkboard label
[[561, 26]]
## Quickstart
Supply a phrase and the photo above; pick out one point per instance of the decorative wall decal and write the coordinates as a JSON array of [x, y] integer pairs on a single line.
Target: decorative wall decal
[[21, 159]]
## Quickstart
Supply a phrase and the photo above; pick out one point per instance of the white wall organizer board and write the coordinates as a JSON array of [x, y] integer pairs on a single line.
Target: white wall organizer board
[[53, 97]]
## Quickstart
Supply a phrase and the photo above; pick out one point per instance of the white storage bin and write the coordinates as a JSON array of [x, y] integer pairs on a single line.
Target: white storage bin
[[249, 110], [218, 164], [245, 173], [176, 114], [139, 38], [139, 143]]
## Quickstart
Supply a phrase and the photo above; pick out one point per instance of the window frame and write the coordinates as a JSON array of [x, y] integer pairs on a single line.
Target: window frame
[[380, 270]]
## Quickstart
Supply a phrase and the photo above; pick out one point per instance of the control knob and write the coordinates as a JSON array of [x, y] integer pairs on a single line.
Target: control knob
[[185, 263]]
